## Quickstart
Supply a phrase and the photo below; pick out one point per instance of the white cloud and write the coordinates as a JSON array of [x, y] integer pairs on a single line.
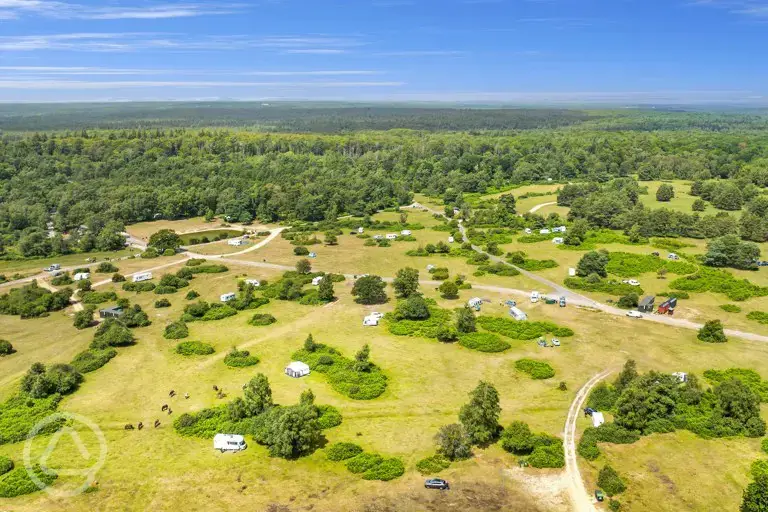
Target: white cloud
[[48, 71], [757, 9], [61, 85], [421, 53], [10, 9], [316, 51]]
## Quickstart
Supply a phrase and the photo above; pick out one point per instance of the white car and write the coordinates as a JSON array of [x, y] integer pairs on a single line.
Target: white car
[[535, 297], [631, 282], [634, 314]]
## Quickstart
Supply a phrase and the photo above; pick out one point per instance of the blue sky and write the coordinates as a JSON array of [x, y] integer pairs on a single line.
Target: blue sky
[[518, 51]]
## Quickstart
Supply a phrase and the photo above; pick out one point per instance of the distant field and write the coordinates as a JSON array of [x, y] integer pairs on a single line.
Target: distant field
[[681, 202], [211, 234], [37, 265]]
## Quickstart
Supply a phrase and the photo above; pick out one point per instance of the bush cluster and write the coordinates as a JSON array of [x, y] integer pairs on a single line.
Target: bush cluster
[[730, 308], [62, 280], [92, 359], [624, 264], [106, 267], [542, 450], [240, 359], [328, 417], [342, 451], [758, 316], [176, 331], [6, 348], [605, 433], [483, 342], [499, 269], [596, 284], [432, 465], [6, 465], [97, 297], [535, 369], [144, 286], [31, 301], [748, 377], [427, 328], [194, 348], [342, 373], [610, 481], [17, 482], [19, 414], [206, 312], [262, 319], [719, 281], [162, 303], [524, 330]]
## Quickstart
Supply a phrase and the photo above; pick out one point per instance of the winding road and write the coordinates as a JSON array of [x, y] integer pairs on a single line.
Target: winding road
[[580, 497]]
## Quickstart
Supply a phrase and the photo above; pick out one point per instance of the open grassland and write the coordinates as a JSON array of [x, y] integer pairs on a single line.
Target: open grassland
[[681, 202], [143, 230], [428, 382], [34, 266]]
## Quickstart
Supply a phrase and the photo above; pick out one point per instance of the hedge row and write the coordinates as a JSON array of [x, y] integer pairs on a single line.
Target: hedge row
[[483, 342], [342, 375], [92, 359], [537, 370], [719, 281], [521, 330], [624, 264], [433, 465], [608, 286], [17, 482], [194, 348]]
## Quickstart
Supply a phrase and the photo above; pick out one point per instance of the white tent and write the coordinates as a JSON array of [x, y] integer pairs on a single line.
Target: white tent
[[253, 282], [297, 369], [316, 280], [597, 419]]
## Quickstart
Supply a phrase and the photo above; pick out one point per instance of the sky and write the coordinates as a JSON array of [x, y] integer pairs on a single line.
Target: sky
[[513, 51]]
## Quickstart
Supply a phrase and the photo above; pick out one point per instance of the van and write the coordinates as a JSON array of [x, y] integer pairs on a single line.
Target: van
[[229, 443], [535, 296], [562, 301]]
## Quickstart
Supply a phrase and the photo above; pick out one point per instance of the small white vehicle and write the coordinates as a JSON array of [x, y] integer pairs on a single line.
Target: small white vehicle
[[535, 297], [229, 443], [54, 267], [634, 314], [631, 282], [672, 256], [82, 276], [376, 314], [555, 342]]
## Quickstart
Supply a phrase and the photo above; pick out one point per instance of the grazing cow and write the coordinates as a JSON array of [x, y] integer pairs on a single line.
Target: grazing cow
[[164, 407], [157, 423], [170, 411], [141, 425], [129, 427], [215, 387], [186, 396], [172, 393], [221, 394]]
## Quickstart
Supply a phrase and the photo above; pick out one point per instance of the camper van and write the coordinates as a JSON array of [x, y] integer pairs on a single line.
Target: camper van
[[82, 276], [253, 282], [535, 297], [143, 276], [229, 443], [227, 297], [316, 280], [517, 314], [53, 268], [391, 236]]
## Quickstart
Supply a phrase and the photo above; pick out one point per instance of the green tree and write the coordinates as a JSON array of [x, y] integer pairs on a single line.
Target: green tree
[[730, 251], [112, 333], [448, 290], [110, 237], [413, 308], [465, 320], [293, 431], [303, 266], [652, 396], [712, 332], [665, 192], [610, 481], [699, 205], [370, 290], [517, 438], [453, 442], [738, 401], [626, 377], [635, 235], [6, 348], [84, 319], [165, 239], [406, 282], [628, 301], [755, 497], [331, 239], [307, 397], [362, 362], [481, 415], [325, 289], [593, 262], [577, 232], [309, 344], [257, 395], [508, 204]]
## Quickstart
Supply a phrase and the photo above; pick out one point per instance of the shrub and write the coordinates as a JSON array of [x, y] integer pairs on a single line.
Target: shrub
[[609, 286], [602, 397], [162, 303], [260, 320], [165, 290], [240, 359], [549, 455], [764, 445], [343, 374], [521, 330], [92, 359], [758, 316], [144, 286], [328, 417], [97, 297], [176, 331], [712, 332], [62, 280], [389, 469], [363, 462], [610, 482], [17, 482], [218, 311], [628, 301], [106, 268], [112, 333], [439, 274], [194, 348], [438, 320], [32, 301], [730, 308], [624, 264], [536, 369], [6, 348], [483, 342], [719, 281], [433, 465], [118, 278], [447, 334], [19, 414], [169, 252], [605, 433], [300, 250], [191, 295], [6, 465], [342, 451], [614, 505], [499, 269], [750, 378]]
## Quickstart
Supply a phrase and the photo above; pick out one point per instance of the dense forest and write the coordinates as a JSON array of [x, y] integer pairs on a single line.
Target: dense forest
[[90, 183]]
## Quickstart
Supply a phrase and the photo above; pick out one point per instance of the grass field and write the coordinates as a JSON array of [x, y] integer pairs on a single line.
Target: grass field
[[34, 266], [681, 202], [211, 234], [428, 382]]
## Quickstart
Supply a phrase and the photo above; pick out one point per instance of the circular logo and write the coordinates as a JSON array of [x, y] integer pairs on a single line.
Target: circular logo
[[38, 470]]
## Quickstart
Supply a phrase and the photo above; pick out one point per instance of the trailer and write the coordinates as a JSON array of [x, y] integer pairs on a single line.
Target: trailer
[[668, 307]]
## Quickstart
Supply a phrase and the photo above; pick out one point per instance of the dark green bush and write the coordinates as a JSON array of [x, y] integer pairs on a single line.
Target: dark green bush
[[624, 264], [549, 454], [192, 294], [730, 308], [176, 331], [92, 359], [260, 320], [602, 397], [97, 297], [363, 462], [342, 451], [6, 348], [240, 359], [524, 330], [328, 417], [17, 482], [536, 369], [758, 316], [162, 303], [112, 333], [389, 469], [194, 348], [605, 433], [6, 465], [118, 278], [19, 415], [483, 342], [719, 281], [610, 481], [144, 286], [432, 465], [106, 267], [62, 280], [343, 374]]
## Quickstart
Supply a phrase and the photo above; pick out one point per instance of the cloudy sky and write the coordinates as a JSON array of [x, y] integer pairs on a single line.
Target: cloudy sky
[[527, 51]]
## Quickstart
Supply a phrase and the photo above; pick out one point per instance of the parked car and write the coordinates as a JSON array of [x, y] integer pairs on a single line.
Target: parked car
[[535, 296], [599, 495], [634, 314], [562, 301], [52, 268], [555, 342], [631, 282], [437, 483]]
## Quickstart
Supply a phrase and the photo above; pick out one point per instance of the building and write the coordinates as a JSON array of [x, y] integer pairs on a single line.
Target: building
[[114, 312], [142, 276], [82, 276], [406, 232], [558, 240], [227, 297], [253, 282], [237, 242], [518, 314], [371, 321], [297, 369], [316, 280], [646, 305], [597, 419]]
